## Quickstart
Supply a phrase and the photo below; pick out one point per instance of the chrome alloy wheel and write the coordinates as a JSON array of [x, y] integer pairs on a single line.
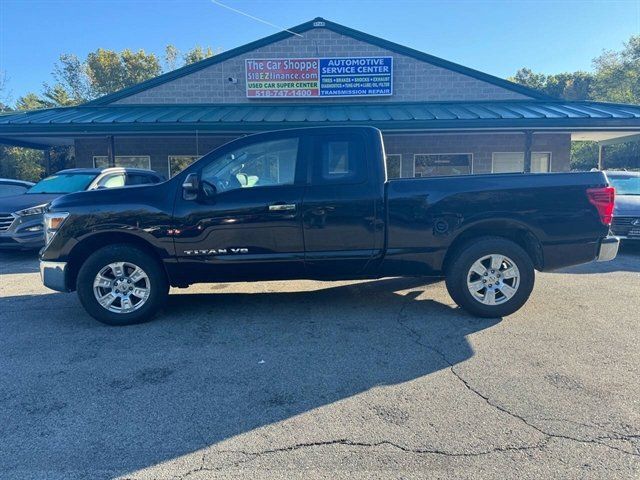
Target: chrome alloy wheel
[[493, 279], [121, 287]]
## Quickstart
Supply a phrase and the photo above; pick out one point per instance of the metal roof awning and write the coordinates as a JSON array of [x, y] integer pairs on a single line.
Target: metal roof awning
[[581, 119]]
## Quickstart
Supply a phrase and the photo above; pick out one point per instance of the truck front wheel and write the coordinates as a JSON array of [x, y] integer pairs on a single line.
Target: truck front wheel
[[121, 285], [490, 277]]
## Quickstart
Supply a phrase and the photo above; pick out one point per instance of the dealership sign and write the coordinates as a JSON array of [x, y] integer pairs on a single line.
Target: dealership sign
[[319, 77]]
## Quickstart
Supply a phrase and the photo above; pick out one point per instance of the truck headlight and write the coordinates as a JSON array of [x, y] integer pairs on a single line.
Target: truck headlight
[[37, 210], [52, 223]]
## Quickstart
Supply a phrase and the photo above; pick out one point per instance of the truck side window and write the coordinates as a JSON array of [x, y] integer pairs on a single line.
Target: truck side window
[[260, 164], [342, 161]]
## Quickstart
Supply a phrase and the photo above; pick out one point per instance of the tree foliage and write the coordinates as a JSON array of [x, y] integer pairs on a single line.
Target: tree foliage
[[615, 78], [77, 81]]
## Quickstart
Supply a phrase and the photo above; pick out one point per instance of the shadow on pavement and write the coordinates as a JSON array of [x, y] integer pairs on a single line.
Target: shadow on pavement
[[18, 261], [95, 401]]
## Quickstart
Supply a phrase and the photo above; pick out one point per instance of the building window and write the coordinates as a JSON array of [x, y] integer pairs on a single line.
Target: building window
[[125, 161], [513, 162], [393, 165], [440, 164], [178, 163]]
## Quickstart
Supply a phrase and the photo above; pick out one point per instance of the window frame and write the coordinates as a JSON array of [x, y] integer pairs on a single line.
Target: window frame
[[197, 157], [523, 157], [399, 155], [444, 153], [314, 166], [147, 157]]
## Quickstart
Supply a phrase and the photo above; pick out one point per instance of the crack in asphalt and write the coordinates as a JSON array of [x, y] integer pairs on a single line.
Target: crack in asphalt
[[350, 443], [417, 338]]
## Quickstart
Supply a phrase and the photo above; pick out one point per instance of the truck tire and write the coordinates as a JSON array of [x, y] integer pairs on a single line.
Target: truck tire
[[122, 285], [490, 277]]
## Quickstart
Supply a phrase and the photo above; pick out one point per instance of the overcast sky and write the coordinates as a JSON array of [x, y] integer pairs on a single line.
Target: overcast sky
[[496, 37]]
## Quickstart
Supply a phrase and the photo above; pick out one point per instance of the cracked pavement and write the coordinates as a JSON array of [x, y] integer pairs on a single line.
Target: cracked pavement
[[375, 379]]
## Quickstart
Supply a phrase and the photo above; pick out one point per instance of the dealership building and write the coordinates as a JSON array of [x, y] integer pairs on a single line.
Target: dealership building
[[437, 117]]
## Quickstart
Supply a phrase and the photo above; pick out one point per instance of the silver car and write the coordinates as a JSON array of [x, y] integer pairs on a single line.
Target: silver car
[[626, 212]]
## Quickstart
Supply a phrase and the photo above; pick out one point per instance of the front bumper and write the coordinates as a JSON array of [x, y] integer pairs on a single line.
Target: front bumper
[[53, 275], [24, 233], [608, 249]]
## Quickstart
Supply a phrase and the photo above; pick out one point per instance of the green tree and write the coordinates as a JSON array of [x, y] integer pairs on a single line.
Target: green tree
[[171, 54], [617, 74], [21, 163], [197, 54], [569, 86], [109, 71], [31, 101]]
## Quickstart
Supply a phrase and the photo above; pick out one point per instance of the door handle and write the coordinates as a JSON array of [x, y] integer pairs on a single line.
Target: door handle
[[282, 207]]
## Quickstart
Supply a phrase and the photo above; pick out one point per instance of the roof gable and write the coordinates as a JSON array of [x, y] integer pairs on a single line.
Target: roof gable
[[307, 26]]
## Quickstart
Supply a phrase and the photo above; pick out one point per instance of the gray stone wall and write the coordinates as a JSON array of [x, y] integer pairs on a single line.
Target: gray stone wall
[[480, 145], [413, 80]]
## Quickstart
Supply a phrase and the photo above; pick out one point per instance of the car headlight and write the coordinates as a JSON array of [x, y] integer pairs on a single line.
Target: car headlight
[[37, 210], [52, 223]]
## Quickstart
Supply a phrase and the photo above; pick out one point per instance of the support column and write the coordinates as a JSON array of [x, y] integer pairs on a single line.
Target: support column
[[47, 162], [600, 156], [528, 140], [111, 151]]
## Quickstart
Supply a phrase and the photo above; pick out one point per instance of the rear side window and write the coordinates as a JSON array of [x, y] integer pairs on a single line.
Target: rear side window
[[112, 181], [340, 160], [139, 179]]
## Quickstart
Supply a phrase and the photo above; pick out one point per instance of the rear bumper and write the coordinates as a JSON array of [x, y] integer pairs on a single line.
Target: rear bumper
[[608, 249], [53, 275]]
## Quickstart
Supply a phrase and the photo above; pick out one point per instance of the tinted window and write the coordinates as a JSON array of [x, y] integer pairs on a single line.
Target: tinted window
[[63, 183], [8, 189], [260, 164], [140, 179], [341, 160]]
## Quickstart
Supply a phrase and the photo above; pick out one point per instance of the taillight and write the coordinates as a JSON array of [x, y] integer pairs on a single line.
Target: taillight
[[603, 199]]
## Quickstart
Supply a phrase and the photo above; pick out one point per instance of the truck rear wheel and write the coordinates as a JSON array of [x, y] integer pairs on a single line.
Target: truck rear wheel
[[122, 285], [490, 277]]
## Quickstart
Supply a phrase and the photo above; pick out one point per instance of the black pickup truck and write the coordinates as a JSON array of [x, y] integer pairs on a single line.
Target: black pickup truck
[[315, 203]]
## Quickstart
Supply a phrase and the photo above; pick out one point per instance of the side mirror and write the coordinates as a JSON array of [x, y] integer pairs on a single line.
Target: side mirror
[[191, 187]]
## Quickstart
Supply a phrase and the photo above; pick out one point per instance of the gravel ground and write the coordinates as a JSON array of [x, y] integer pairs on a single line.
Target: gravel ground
[[378, 379]]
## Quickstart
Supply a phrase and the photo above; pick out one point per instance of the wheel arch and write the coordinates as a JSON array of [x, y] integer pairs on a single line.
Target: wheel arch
[[509, 229], [85, 247]]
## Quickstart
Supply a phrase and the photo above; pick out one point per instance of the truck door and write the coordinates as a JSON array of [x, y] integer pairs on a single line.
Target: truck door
[[339, 205], [247, 225]]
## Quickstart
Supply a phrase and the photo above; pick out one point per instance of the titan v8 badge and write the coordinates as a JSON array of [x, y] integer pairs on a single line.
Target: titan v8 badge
[[217, 251]]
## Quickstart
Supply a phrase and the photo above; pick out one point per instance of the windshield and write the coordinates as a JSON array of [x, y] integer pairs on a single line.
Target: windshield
[[65, 183], [625, 184]]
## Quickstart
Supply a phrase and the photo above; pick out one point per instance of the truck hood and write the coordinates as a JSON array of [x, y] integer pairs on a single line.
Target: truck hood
[[25, 200], [627, 206], [107, 196]]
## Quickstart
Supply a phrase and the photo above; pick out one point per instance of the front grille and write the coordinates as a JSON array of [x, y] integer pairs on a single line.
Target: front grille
[[6, 220], [624, 226]]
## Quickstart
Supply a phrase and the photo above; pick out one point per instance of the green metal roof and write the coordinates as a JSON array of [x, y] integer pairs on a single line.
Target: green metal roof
[[152, 119], [305, 27]]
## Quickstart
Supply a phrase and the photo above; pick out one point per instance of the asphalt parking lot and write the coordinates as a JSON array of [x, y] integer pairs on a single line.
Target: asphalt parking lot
[[380, 379]]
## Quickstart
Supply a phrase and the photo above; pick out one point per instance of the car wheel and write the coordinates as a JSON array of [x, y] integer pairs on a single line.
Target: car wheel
[[490, 277], [122, 285]]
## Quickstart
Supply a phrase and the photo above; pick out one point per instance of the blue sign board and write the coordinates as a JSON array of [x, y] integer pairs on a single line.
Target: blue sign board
[[356, 76]]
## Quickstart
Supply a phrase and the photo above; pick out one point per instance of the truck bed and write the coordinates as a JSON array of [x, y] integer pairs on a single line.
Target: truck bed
[[425, 215]]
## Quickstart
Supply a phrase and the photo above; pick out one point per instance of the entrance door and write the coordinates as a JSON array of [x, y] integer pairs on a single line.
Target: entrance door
[[247, 223]]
